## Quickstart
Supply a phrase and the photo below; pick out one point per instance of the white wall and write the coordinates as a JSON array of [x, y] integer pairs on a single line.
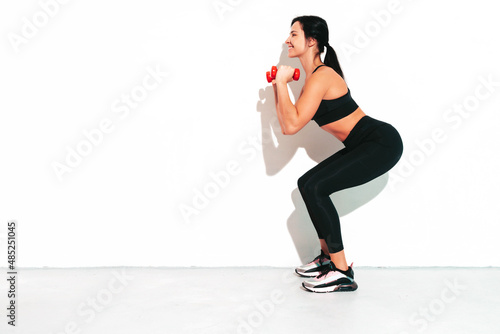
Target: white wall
[[208, 111]]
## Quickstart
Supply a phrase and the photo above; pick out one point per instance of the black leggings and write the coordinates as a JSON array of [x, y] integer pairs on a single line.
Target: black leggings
[[371, 149]]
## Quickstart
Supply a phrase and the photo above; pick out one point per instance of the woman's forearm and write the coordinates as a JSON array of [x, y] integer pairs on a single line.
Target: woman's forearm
[[287, 113], [278, 108]]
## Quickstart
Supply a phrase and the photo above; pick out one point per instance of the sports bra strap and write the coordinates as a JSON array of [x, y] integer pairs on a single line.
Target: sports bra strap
[[318, 67]]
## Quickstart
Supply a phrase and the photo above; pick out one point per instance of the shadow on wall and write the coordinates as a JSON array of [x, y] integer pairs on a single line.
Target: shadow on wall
[[279, 149]]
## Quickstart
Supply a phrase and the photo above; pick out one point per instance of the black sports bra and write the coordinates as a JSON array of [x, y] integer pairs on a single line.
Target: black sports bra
[[332, 110]]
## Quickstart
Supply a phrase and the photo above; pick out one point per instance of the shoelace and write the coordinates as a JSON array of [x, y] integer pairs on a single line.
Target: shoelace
[[327, 269]]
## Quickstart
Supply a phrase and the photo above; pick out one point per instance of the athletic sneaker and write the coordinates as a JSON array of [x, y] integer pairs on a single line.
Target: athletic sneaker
[[332, 279], [314, 268]]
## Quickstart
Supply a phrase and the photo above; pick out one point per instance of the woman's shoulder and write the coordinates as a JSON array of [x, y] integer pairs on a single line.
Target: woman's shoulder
[[328, 77]]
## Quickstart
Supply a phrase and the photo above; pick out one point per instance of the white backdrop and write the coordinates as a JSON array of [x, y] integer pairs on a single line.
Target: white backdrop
[[143, 133]]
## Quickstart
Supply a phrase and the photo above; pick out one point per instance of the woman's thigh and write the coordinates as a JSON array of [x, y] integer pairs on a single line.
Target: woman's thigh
[[325, 164], [354, 166]]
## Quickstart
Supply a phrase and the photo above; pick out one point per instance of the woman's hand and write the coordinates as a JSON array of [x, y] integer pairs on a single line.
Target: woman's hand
[[285, 74]]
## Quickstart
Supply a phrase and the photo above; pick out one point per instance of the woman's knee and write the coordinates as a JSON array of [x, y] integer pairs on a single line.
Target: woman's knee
[[312, 188], [302, 181]]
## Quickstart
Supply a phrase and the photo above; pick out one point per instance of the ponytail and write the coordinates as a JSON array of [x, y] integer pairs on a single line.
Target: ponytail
[[332, 60], [316, 27]]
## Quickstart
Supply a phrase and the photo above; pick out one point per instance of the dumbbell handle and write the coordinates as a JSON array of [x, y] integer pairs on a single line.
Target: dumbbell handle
[[270, 76]]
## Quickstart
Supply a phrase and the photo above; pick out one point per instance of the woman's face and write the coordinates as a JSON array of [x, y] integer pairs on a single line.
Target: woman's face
[[296, 40]]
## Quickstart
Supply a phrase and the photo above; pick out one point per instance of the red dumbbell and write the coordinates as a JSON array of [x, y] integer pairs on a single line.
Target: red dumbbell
[[272, 75]]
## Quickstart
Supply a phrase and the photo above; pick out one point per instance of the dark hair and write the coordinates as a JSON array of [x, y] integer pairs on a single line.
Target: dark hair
[[317, 28]]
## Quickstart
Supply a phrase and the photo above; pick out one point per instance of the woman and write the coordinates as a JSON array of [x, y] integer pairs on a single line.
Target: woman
[[372, 147]]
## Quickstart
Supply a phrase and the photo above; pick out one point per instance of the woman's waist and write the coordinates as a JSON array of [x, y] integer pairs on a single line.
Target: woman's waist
[[341, 128], [362, 130]]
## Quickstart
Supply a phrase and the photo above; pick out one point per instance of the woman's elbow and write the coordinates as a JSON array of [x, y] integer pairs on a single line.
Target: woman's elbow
[[290, 130]]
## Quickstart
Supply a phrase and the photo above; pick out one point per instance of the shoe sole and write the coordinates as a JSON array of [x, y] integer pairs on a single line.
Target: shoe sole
[[335, 288]]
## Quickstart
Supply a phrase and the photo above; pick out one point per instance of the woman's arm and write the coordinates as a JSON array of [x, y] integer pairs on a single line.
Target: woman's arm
[[295, 117], [287, 111], [277, 107]]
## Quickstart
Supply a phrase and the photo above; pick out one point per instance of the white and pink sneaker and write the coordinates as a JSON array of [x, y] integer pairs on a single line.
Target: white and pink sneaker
[[332, 279], [315, 267]]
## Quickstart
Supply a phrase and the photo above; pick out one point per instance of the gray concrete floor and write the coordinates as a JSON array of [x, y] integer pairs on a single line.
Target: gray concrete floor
[[252, 300]]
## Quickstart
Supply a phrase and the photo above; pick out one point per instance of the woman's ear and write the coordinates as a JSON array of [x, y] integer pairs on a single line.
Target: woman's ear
[[312, 42]]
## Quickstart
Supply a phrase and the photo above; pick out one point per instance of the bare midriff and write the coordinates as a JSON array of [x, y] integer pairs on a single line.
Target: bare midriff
[[341, 128]]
